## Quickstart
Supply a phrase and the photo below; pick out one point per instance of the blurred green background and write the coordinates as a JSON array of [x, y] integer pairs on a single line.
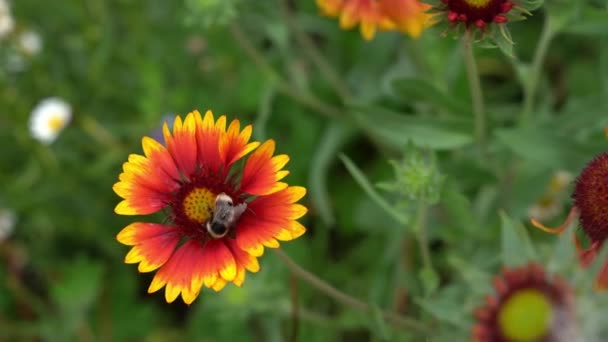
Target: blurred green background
[[123, 65]]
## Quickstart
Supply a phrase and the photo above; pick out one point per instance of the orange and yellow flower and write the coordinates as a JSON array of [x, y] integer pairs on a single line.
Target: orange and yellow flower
[[199, 161], [407, 16]]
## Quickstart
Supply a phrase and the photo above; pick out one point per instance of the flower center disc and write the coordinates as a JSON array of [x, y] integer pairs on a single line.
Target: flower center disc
[[525, 316], [55, 122], [477, 3], [198, 204]]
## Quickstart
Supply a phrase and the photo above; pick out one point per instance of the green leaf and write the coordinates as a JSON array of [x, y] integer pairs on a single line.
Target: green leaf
[[365, 184], [539, 145], [334, 137], [459, 208], [413, 89], [429, 279], [378, 323], [517, 249], [592, 22], [397, 130]]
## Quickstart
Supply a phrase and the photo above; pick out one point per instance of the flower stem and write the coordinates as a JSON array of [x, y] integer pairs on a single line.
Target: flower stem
[[531, 84], [312, 51], [420, 229], [475, 88], [321, 285], [284, 87]]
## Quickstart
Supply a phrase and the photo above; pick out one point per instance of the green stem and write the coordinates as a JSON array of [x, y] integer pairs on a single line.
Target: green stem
[[311, 50], [282, 86], [98, 132], [420, 229], [475, 89], [404, 322], [531, 84]]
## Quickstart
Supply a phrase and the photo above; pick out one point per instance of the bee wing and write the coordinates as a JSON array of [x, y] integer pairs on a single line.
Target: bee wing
[[239, 210]]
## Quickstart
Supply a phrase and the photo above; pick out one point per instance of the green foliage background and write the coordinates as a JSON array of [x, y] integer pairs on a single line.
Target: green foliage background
[[125, 64]]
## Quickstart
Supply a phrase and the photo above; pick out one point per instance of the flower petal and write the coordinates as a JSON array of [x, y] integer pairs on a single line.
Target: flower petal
[[263, 171], [208, 137], [152, 244], [234, 144], [178, 273], [144, 186], [182, 144], [271, 218], [161, 158]]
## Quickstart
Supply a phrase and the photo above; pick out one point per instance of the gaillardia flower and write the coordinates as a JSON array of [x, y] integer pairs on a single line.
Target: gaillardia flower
[[222, 208], [407, 16], [477, 12], [351, 13], [528, 305], [591, 207]]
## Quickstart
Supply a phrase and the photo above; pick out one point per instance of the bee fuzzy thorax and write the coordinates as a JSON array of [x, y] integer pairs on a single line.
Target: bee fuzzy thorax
[[225, 216]]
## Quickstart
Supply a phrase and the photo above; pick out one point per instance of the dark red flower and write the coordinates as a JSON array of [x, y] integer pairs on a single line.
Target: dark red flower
[[528, 305], [591, 198], [591, 207], [477, 12]]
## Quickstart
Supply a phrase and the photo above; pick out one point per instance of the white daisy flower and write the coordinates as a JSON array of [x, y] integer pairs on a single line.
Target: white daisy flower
[[7, 24], [49, 118], [7, 223], [30, 42]]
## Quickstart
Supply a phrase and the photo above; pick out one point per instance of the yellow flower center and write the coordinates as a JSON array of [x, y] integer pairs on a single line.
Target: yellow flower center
[[55, 122], [478, 3], [199, 204], [525, 316]]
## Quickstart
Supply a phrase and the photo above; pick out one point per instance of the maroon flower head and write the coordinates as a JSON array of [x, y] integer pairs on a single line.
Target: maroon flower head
[[591, 198], [478, 12]]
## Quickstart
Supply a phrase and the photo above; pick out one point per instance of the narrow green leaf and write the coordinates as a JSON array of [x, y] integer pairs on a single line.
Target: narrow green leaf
[[365, 184], [334, 137], [378, 324], [429, 279], [517, 249]]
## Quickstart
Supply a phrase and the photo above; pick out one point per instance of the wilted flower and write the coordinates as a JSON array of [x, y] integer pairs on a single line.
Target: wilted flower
[[49, 118], [7, 24], [220, 212], [30, 42], [550, 203], [407, 16], [528, 305], [590, 202]]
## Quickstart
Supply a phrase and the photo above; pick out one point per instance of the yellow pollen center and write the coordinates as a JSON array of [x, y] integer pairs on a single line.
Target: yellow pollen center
[[55, 122], [525, 316], [478, 3], [198, 204]]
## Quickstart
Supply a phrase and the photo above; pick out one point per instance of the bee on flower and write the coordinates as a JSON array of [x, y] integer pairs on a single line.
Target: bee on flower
[[49, 118], [221, 212]]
